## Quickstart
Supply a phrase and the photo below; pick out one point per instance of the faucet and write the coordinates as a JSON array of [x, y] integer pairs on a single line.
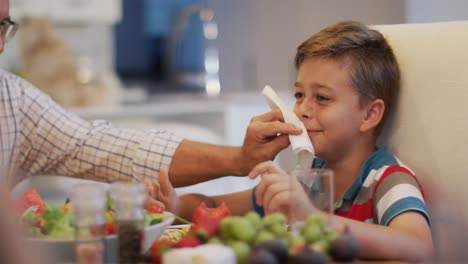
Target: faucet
[[208, 79]]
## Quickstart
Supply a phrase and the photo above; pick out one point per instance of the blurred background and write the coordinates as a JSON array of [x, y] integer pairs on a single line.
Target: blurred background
[[204, 46], [195, 67]]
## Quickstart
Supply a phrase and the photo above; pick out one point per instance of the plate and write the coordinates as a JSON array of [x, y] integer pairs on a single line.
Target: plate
[[63, 250]]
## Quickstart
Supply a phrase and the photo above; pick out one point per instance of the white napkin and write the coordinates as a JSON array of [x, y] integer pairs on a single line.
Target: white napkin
[[300, 144]]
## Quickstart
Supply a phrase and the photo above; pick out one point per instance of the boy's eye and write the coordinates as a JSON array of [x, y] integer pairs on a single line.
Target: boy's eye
[[298, 95], [322, 98]]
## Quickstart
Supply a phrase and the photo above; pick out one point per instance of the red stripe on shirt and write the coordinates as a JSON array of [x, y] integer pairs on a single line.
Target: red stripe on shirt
[[360, 212], [391, 170]]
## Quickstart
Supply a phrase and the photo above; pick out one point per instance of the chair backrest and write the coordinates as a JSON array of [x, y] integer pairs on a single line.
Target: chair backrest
[[428, 130]]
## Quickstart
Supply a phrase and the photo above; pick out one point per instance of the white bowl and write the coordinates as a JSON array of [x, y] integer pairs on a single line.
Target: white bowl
[[63, 250]]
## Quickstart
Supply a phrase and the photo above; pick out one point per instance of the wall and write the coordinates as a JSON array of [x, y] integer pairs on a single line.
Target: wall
[[258, 38], [421, 11]]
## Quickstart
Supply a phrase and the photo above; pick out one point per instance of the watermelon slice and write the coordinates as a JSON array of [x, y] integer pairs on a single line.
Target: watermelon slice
[[28, 199]]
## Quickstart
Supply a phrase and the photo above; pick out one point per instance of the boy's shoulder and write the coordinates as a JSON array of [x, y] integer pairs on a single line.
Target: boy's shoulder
[[381, 165]]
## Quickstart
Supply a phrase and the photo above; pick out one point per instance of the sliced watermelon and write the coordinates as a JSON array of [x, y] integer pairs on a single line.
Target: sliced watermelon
[[29, 199]]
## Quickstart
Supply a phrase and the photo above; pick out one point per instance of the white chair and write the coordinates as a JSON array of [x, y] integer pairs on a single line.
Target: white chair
[[429, 129]]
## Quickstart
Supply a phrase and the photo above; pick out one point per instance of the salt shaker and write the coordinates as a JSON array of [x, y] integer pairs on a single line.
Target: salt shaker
[[88, 201], [128, 199]]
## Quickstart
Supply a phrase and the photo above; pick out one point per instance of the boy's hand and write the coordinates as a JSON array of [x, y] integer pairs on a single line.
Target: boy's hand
[[265, 137], [280, 192], [163, 193]]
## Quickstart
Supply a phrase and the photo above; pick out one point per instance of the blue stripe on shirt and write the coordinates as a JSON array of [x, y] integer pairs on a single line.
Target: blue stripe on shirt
[[404, 205]]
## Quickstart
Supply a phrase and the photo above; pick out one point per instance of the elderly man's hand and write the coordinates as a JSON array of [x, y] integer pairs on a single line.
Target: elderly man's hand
[[266, 136]]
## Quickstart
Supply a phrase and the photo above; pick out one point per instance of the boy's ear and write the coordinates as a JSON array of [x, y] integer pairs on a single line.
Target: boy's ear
[[373, 115]]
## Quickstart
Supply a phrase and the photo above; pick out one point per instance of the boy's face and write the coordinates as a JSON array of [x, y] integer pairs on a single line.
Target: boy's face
[[329, 107]]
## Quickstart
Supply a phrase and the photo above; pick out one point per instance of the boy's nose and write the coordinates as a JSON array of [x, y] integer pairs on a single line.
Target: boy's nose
[[304, 112]]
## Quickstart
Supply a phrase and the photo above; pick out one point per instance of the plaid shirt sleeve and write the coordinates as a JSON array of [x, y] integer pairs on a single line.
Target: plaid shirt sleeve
[[40, 137]]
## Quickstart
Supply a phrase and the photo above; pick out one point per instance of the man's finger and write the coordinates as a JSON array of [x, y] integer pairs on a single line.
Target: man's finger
[[276, 127]]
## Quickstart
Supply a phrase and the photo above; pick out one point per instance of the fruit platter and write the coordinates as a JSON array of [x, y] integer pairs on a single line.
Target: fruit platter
[[215, 236]]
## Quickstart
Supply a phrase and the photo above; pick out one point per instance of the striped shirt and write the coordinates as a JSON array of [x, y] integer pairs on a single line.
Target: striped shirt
[[37, 136], [384, 189]]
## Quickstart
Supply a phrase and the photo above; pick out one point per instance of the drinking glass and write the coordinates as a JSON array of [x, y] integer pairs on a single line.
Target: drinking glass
[[318, 186]]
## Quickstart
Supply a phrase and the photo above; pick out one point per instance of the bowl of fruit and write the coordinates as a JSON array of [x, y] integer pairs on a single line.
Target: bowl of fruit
[[49, 227], [253, 239]]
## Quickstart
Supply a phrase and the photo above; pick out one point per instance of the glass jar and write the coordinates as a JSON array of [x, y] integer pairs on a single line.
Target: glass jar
[[88, 201], [128, 199]]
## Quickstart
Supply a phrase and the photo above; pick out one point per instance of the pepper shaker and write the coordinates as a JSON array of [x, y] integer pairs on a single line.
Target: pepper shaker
[[128, 199]]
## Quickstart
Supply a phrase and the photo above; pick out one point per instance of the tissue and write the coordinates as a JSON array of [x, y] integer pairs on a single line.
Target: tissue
[[301, 144]]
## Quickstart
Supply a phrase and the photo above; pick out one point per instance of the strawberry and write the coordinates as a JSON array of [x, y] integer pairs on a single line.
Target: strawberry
[[109, 229], [206, 229], [158, 248], [187, 242], [203, 212]]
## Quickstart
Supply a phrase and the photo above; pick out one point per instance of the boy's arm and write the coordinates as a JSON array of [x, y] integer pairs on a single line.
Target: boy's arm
[[406, 238], [184, 206]]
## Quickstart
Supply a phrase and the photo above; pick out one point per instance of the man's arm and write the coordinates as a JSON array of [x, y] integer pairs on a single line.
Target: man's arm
[[51, 140], [196, 162]]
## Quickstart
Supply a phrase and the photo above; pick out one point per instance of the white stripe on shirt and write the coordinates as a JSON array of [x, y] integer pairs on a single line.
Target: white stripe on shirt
[[398, 192]]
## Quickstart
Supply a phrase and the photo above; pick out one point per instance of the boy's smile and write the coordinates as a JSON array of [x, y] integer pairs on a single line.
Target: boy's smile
[[329, 106]]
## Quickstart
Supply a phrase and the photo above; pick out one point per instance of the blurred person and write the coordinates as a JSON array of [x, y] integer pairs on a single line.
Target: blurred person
[[347, 83], [38, 136], [449, 223]]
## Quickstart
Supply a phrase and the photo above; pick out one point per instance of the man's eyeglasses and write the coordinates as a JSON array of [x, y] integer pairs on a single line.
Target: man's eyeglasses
[[8, 28]]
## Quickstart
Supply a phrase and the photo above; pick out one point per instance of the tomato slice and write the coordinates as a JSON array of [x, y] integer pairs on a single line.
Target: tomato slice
[[155, 208], [28, 199]]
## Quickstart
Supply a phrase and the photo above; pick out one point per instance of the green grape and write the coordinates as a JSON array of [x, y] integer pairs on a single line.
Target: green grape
[[241, 250], [296, 240], [215, 240], [331, 236], [321, 246], [279, 230], [275, 218], [242, 229], [317, 220], [263, 236], [225, 228], [253, 218], [312, 233], [296, 244]]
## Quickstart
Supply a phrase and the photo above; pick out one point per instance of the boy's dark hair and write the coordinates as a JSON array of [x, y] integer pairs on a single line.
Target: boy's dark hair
[[374, 69]]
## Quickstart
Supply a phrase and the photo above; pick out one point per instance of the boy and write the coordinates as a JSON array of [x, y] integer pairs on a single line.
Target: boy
[[347, 82]]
